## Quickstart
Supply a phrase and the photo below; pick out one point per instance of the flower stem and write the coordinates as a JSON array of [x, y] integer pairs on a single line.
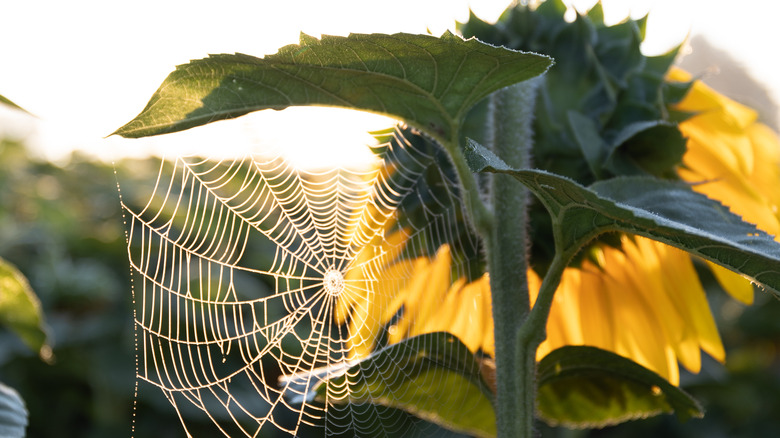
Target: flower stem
[[505, 233], [511, 114]]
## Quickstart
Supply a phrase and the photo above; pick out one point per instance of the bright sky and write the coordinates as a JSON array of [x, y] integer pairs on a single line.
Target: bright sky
[[85, 67]]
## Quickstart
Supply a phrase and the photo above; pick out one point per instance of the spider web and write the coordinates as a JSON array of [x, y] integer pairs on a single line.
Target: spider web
[[255, 279]]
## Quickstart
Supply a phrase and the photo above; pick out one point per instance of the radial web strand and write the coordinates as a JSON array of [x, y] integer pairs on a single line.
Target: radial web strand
[[256, 281]]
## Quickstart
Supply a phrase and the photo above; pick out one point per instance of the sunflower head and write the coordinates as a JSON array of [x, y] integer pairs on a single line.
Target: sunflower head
[[603, 109], [603, 106]]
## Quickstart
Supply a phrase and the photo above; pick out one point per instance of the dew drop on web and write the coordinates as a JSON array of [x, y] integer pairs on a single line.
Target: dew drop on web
[[333, 282]]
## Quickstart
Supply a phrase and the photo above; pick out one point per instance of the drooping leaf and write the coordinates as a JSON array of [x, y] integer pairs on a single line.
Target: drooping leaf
[[433, 376], [426, 81], [13, 413], [20, 309], [665, 211], [585, 387]]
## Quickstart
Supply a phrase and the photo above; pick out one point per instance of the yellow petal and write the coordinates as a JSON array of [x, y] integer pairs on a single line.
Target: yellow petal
[[740, 288], [598, 319], [638, 335], [436, 287], [466, 319], [652, 280], [703, 99], [488, 343], [409, 299], [692, 301]]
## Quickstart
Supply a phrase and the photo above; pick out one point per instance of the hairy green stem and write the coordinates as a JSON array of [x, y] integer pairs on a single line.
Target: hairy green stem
[[531, 334], [510, 117], [505, 233], [533, 331]]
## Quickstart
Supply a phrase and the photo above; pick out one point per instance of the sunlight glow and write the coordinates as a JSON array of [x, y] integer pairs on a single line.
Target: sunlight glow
[[310, 137], [84, 75]]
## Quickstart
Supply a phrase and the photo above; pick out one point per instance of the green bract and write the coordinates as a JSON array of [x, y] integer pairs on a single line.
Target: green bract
[[602, 109], [20, 309], [598, 99]]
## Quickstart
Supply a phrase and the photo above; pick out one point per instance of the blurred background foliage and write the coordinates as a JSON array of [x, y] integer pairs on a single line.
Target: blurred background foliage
[[61, 225]]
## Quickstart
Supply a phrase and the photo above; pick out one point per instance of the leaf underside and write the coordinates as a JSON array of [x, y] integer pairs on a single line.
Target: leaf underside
[[661, 210], [586, 387], [427, 82], [441, 381]]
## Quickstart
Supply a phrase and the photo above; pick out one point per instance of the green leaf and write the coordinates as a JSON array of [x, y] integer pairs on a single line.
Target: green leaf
[[652, 147], [619, 51], [428, 82], [7, 102], [586, 135], [20, 309], [585, 387], [661, 210], [596, 14], [434, 376], [13, 414]]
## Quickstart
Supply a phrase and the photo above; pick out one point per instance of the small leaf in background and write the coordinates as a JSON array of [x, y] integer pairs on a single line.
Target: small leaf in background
[[434, 376], [13, 414], [20, 309], [661, 210], [585, 387], [428, 82], [652, 148], [7, 102]]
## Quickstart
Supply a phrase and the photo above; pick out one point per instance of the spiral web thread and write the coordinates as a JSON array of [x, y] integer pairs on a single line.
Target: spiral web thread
[[243, 266]]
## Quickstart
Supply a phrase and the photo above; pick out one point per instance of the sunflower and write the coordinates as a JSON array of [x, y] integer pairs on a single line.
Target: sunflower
[[627, 294], [733, 158], [641, 299], [636, 297], [665, 318]]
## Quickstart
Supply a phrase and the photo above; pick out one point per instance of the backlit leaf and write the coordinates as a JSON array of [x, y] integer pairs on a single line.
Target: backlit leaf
[[441, 383], [19, 308], [426, 81], [585, 387]]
